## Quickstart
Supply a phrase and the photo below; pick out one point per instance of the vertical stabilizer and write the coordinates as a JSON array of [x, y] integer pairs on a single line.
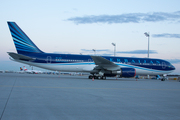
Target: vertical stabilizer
[[21, 69], [25, 69], [22, 42]]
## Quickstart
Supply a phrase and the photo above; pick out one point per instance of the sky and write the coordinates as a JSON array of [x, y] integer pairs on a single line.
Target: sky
[[77, 27]]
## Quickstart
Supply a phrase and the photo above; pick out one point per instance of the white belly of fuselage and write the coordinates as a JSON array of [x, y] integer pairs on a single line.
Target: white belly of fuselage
[[87, 67]]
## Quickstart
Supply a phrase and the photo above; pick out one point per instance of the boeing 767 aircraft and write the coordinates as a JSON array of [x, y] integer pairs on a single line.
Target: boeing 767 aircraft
[[99, 67]]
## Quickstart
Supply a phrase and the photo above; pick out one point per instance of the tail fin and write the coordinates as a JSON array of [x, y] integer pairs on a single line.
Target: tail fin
[[21, 69], [22, 42], [25, 69]]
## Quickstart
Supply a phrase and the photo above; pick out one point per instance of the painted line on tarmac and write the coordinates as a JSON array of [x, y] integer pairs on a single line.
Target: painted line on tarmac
[[89, 88]]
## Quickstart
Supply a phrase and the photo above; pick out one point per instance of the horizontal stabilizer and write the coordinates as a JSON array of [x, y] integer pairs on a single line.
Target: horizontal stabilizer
[[20, 57]]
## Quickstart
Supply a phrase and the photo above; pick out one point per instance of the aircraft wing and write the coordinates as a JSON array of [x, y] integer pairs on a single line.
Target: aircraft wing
[[105, 64], [19, 56]]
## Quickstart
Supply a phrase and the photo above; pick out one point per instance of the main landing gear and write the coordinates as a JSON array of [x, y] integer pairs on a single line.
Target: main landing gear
[[97, 77]]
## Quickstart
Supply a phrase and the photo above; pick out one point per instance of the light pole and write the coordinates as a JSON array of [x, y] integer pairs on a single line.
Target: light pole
[[114, 44], [94, 51], [147, 35]]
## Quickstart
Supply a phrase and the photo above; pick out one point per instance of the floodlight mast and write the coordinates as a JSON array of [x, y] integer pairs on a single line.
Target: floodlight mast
[[147, 35], [114, 44], [94, 51]]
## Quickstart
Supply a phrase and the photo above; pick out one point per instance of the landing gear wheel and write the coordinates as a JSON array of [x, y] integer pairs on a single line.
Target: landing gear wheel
[[103, 78], [95, 77], [90, 76]]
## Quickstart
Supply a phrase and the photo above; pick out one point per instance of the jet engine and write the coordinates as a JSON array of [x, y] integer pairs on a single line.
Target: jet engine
[[128, 72], [124, 72]]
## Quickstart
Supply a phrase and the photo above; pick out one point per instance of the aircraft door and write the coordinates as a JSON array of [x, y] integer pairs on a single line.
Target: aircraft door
[[49, 59]]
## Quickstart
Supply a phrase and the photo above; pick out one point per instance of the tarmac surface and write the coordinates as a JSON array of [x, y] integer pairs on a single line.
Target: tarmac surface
[[54, 97]]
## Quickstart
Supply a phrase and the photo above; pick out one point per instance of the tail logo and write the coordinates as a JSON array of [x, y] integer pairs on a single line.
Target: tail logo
[[22, 42]]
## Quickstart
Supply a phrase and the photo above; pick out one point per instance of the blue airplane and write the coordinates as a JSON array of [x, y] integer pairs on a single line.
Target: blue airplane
[[99, 67]]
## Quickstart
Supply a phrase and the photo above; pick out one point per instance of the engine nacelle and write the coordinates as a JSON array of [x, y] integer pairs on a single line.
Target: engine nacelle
[[116, 72], [128, 72], [124, 72]]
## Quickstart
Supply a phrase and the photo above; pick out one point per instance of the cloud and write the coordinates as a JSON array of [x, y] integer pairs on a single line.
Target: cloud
[[106, 54], [139, 52], [75, 9], [166, 35], [56, 52], [127, 18], [109, 52], [174, 61], [102, 50]]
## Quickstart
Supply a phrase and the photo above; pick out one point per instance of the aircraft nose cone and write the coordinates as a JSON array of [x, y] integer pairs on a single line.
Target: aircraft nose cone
[[172, 67]]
